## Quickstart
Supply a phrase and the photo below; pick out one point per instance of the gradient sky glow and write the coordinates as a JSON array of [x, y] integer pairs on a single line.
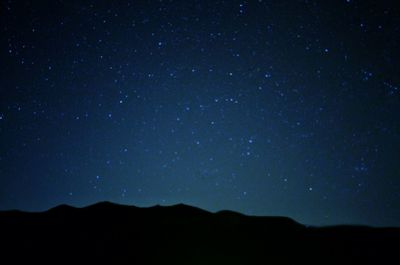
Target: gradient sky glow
[[264, 107]]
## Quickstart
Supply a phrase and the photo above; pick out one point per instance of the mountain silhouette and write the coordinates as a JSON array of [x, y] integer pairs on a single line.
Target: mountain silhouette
[[107, 233]]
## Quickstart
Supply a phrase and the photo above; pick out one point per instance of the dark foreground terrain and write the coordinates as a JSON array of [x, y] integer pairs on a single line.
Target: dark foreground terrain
[[107, 233]]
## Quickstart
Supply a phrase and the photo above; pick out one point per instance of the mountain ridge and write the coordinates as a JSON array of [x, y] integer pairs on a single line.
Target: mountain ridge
[[107, 233]]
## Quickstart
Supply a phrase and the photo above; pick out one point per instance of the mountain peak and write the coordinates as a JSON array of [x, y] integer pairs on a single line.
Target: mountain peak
[[62, 208]]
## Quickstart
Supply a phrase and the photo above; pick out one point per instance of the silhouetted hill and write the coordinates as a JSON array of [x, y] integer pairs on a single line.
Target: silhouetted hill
[[107, 233]]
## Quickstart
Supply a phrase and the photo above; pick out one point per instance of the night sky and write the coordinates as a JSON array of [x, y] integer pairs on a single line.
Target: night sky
[[264, 107]]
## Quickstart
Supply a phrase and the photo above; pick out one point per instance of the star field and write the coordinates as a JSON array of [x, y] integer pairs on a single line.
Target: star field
[[264, 107]]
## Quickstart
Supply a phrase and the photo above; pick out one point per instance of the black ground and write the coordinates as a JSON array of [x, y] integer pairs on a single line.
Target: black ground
[[107, 233]]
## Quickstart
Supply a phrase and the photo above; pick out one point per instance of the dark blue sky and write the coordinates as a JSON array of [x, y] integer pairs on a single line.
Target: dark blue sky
[[264, 107]]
